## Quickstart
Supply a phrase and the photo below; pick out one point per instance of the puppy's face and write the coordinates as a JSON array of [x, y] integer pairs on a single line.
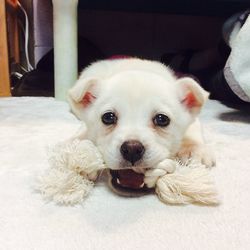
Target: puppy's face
[[136, 119]]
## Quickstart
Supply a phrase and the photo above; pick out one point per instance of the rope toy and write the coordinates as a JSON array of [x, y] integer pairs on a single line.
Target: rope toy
[[74, 168]]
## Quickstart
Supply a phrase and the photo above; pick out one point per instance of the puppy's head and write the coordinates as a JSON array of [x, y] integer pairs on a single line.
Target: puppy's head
[[136, 118]]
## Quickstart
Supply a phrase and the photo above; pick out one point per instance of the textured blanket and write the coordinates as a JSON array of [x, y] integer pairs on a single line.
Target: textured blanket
[[107, 221]]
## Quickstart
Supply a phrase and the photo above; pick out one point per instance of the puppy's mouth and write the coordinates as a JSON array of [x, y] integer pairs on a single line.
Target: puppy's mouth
[[128, 182]]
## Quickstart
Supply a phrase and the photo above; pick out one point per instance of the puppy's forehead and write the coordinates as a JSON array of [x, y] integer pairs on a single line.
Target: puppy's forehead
[[137, 85]]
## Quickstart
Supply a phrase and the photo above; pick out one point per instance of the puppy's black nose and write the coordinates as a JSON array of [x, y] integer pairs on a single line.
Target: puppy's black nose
[[132, 151]]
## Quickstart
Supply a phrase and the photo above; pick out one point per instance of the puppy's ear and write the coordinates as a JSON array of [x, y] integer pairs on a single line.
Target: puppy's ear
[[82, 94], [193, 96], [83, 91]]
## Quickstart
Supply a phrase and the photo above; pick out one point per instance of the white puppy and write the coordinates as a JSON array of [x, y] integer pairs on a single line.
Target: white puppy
[[139, 114]]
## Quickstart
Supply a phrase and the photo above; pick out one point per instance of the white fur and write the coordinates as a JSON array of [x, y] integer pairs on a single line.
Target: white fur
[[136, 90]]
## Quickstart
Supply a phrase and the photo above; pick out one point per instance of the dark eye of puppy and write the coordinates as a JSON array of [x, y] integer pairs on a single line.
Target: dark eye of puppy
[[161, 120], [109, 118]]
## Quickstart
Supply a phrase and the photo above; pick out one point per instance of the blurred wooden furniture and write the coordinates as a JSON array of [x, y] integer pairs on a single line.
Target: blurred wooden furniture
[[4, 61], [8, 10], [13, 36]]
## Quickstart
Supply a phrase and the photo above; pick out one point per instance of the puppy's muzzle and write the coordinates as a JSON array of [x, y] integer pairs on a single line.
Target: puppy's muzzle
[[132, 151]]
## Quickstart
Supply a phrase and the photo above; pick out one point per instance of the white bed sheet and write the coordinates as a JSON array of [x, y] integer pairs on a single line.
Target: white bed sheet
[[106, 221]]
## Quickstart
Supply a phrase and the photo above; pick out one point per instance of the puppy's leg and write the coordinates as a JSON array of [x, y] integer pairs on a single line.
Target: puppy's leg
[[193, 146], [80, 133]]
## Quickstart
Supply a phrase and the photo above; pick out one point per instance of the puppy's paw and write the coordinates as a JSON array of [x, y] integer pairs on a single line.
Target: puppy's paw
[[152, 175], [198, 152]]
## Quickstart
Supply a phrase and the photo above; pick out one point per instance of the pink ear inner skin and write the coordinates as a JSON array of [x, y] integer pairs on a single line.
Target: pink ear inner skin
[[87, 99], [190, 100]]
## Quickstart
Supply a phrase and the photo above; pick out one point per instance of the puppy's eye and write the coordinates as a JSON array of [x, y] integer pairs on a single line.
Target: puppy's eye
[[109, 118], [161, 120]]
